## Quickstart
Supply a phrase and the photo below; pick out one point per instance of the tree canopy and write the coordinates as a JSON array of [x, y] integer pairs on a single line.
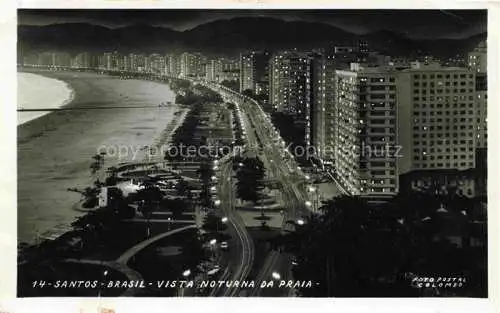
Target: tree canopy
[[356, 249]]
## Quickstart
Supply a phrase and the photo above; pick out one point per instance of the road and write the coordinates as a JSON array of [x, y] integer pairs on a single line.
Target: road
[[295, 198], [272, 154], [238, 270], [281, 166]]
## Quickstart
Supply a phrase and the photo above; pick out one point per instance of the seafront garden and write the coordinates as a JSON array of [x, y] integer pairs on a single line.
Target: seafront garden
[[147, 220]]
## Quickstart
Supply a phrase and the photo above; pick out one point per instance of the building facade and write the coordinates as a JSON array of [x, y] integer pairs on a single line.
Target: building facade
[[289, 85], [438, 118], [322, 111], [477, 59], [366, 131], [254, 67], [173, 65], [190, 64], [82, 60], [54, 59], [213, 70]]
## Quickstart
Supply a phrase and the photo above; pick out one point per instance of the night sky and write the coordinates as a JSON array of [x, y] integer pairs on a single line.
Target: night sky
[[413, 23]]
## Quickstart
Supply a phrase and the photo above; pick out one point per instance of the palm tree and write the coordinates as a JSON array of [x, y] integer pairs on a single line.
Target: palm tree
[[149, 198], [94, 167], [112, 178], [250, 177], [98, 158]]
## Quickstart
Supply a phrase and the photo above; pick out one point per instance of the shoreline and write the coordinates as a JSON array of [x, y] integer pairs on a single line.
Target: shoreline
[[55, 150], [56, 103]]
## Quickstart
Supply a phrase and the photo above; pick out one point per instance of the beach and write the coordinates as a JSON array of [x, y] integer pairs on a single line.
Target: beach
[[55, 150], [40, 92]]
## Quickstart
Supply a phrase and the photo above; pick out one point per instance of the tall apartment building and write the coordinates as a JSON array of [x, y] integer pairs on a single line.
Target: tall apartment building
[[141, 62], [132, 62], [107, 61], [477, 59], [82, 60], [302, 86], [45, 59], [62, 59], [254, 71], [155, 63], [30, 59], [246, 72], [173, 65], [438, 118], [213, 70], [289, 83], [442, 126], [190, 64], [481, 110], [478, 63], [322, 112], [54, 59], [126, 63], [366, 131], [116, 61], [362, 48]]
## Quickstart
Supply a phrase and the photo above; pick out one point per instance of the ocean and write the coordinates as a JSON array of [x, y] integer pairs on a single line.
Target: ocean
[[39, 92], [55, 149]]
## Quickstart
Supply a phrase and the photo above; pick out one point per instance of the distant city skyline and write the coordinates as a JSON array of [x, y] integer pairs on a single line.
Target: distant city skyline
[[438, 23]]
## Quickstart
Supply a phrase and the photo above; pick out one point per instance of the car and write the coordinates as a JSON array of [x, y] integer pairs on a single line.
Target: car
[[224, 245], [214, 270]]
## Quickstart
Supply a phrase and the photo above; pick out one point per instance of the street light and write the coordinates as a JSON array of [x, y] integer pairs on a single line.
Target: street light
[[300, 222], [104, 274], [224, 219], [308, 203], [213, 188], [217, 202], [186, 273], [276, 275], [213, 241]]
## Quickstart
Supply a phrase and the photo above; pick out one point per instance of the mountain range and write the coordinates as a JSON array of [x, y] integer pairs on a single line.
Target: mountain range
[[227, 37]]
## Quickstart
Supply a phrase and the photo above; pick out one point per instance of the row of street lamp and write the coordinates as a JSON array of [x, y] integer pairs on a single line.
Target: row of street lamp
[[300, 222], [186, 273]]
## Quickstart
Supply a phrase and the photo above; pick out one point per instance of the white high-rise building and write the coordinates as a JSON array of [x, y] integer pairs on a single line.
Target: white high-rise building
[[366, 131], [213, 70], [190, 64], [254, 68]]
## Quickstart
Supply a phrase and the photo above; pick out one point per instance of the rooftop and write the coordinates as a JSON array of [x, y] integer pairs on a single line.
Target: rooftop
[[413, 67]]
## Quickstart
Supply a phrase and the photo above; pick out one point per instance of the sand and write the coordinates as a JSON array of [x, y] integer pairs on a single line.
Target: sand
[[55, 150], [37, 92]]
